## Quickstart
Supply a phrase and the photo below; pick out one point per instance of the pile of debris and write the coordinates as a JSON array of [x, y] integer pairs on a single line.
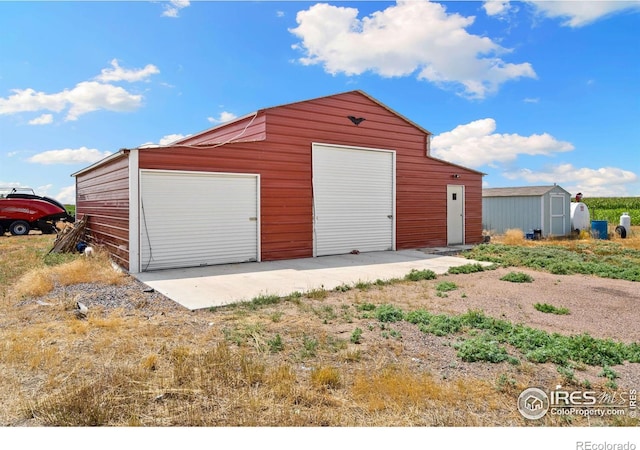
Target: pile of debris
[[69, 238]]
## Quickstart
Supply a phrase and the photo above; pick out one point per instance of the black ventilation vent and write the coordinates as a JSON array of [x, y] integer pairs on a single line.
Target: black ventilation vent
[[356, 120]]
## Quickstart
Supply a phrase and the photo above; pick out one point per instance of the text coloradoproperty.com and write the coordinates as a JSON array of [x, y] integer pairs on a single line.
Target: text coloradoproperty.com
[[600, 412]]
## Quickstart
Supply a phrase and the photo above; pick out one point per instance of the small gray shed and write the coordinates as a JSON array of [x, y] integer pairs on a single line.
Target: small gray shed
[[545, 208]]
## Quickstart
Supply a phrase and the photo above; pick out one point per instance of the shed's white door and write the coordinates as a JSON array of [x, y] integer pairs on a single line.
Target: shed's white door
[[354, 199], [190, 219], [455, 214], [557, 214]]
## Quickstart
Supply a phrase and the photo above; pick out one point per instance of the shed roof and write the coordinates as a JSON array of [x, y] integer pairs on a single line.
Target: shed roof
[[524, 191]]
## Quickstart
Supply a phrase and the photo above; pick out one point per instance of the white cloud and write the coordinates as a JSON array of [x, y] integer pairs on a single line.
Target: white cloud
[[279, 13], [531, 100], [165, 140], [169, 138], [24, 100], [117, 73], [42, 120], [605, 181], [67, 195], [496, 7], [11, 184], [224, 116], [91, 96], [82, 155], [174, 7], [85, 97], [475, 144], [581, 13], [44, 189], [411, 37]]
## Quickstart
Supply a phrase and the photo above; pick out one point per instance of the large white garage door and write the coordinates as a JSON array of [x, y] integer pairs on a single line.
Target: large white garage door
[[354, 199], [190, 219]]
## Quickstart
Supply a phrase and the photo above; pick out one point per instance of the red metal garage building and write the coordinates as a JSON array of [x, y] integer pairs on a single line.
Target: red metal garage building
[[318, 177]]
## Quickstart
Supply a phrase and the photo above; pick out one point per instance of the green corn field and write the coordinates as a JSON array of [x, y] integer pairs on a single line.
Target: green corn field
[[611, 208]]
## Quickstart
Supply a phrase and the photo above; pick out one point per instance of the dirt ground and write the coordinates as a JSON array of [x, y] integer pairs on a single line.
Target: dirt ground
[[603, 308]]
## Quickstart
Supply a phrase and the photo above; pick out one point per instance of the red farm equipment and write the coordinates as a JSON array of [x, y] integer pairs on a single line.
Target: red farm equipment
[[21, 211]]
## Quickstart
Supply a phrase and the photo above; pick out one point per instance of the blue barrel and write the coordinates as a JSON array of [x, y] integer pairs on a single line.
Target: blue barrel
[[600, 229]]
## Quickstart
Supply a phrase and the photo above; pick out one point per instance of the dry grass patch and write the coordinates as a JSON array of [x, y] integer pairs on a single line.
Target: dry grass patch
[[153, 364], [516, 237], [325, 377], [42, 280], [513, 237], [35, 283], [418, 398]]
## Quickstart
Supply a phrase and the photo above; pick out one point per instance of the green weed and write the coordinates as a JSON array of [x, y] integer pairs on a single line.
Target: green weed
[[395, 334], [309, 346], [439, 325], [609, 373], [325, 312], [363, 285], [294, 297], [470, 268], [604, 259], [481, 348], [417, 275], [356, 336], [275, 344], [547, 308], [446, 286], [611, 384], [536, 346], [504, 383], [264, 299], [317, 293], [365, 307], [343, 288], [388, 313], [568, 375], [517, 277]]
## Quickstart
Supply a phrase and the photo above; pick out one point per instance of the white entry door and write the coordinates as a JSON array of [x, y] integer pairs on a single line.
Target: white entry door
[[455, 214], [353, 198]]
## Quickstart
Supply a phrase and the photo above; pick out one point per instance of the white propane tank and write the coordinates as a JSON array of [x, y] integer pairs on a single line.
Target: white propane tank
[[625, 221], [580, 219]]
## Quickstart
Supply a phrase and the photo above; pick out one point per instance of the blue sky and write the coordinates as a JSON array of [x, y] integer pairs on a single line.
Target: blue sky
[[530, 93]]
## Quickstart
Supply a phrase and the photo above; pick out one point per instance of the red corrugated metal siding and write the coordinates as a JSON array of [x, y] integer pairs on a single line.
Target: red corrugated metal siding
[[285, 178], [421, 182], [277, 145], [103, 194], [284, 162], [473, 213], [235, 130]]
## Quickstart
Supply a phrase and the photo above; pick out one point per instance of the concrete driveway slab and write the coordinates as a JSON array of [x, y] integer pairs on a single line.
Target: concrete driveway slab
[[205, 287]]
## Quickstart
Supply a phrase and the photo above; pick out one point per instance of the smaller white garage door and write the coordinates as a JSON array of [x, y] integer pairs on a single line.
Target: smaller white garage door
[[353, 198], [190, 219]]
